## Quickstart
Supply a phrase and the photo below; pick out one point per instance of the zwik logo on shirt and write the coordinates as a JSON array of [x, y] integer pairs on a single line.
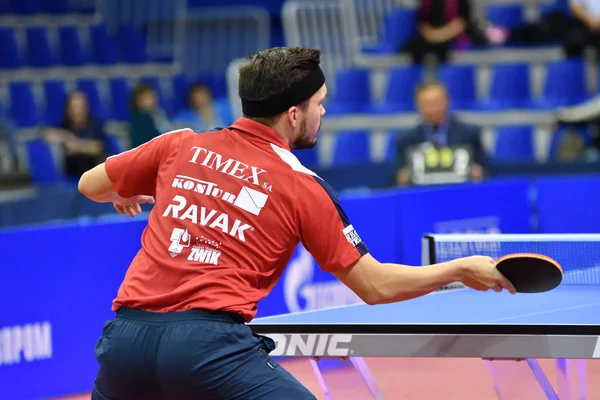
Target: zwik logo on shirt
[[203, 251]]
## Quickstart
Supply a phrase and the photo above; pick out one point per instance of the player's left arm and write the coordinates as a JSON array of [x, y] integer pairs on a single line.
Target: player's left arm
[[128, 179], [97, 186]]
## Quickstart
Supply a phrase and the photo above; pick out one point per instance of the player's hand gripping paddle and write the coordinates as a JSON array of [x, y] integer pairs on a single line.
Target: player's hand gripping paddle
[[530, 272]]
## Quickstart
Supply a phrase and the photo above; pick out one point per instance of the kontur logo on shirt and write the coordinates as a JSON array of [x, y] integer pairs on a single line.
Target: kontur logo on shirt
[[247, 199]]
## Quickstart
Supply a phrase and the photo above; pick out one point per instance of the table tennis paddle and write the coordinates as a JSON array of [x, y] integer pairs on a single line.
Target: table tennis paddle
[[530, 272]]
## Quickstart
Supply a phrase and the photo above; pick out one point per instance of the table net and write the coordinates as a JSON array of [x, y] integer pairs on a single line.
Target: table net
[[578, 254]]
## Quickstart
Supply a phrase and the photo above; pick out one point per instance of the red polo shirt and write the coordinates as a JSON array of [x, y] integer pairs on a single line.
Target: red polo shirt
[[231, 207]]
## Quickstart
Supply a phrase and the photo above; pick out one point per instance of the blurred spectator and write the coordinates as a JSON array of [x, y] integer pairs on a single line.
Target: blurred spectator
[[443, 24], [9, 134], [440, 128], [553, 26], [585, 29], [148, 120], [82, 137], [200, 115], [587, 113]]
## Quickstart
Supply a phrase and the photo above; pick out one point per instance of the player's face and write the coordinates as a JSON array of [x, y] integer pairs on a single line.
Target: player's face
[[309, 121]]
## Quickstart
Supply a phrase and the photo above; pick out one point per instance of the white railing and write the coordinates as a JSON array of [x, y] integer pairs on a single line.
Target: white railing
[[324, 24]]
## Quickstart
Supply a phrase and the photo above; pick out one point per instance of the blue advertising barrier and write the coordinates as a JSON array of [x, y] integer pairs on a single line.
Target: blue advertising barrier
[[57, 282], [568, 205], [491, 207], [56, 287]]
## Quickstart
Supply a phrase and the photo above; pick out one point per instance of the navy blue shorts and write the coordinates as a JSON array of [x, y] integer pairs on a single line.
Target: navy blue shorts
[[194, 354]]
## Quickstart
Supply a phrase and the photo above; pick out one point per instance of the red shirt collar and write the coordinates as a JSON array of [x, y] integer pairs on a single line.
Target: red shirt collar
[[260, 131]]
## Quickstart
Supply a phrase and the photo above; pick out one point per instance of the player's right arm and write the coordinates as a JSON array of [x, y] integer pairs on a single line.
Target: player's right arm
[[326, 232]]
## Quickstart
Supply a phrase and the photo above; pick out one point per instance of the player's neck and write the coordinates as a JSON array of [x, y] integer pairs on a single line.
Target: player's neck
[[284, 131]]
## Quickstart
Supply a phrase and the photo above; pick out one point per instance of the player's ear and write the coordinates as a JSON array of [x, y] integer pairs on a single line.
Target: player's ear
[[293, 115]]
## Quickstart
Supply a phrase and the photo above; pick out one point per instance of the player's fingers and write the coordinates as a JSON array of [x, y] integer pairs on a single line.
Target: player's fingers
[[137, 209], [144, 200], [497, 288], [120, 209], [506, 284], [509, 286]]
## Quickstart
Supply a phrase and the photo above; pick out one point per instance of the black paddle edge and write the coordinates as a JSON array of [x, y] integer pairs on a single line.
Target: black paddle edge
[[437, 329]]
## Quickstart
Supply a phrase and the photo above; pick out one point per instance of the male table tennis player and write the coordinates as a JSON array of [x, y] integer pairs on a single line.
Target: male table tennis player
[[231, 207]]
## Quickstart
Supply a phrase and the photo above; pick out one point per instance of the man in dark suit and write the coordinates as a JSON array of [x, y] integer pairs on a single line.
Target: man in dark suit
[[440, 128]]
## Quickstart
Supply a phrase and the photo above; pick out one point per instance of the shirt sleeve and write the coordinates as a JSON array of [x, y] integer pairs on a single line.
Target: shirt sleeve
[[134, 172], [325, 229]]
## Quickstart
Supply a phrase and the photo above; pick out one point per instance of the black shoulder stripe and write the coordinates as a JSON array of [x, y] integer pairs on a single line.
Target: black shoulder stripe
[[360, 246]]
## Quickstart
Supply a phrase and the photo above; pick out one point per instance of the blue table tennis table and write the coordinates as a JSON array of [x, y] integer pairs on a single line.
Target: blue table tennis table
[[563, 324]]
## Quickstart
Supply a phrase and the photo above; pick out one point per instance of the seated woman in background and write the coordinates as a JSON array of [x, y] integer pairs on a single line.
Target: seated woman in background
[[200, 116], [441, 24], [148, 120], [81, 136]]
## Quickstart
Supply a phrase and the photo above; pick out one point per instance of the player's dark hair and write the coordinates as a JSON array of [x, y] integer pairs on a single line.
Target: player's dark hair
[[270, 72]]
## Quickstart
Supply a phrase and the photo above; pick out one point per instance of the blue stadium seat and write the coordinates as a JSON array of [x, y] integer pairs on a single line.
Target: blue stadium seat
[[565, 84], [39, 53], [217, 83], [223, 110], [55, 95], [556, 6], [70, 50], [308, 157], [180, 84], [103, 48], [391, 145], [561, 132], [23, 109], [353, 92], [25, 7], [506, 15], [54, 6], [132, 45], [514, 143], [460, 82], [351, 147], [399, 27], [90, 88], [5, 6], [112, 145], [119, 98], [510, 86], [11, 58], [400, 89], [42, 165]]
